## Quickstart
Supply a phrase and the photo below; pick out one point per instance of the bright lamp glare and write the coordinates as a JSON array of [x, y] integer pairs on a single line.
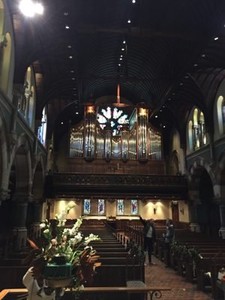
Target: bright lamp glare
[[30, 8], [39, 9]]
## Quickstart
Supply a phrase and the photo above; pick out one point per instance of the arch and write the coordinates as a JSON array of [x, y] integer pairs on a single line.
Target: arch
[[207, 210], [21, 166]]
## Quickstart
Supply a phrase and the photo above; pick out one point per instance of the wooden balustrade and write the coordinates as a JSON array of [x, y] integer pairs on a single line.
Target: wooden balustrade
[[97, 292]]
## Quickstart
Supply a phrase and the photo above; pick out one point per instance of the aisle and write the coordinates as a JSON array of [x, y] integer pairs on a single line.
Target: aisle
[[158, 275]]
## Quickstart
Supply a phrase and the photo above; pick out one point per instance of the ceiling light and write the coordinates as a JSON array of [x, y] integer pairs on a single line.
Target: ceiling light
[[216, 38], [133, 1], [73, 78], [77, 113], [156, 116], [71, 71], [66, 13], [69, 46], [123, 49], [129, 21], [30, 8], [67, 27], [70, 57], [124, 42]]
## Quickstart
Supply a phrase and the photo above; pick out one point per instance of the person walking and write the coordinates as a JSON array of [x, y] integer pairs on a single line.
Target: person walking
[[149, 238], [168, 239]]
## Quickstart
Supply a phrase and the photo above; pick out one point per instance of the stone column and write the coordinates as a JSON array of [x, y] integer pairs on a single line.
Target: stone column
[[35, 231], [19, 230], [222, 221]]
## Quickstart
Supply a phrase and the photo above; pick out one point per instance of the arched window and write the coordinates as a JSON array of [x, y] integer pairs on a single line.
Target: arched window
[[43, 128], [26, 104], [221, 114], [197, 136]]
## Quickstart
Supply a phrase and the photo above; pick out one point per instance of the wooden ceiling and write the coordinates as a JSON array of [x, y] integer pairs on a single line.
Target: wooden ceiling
[[164, 52]]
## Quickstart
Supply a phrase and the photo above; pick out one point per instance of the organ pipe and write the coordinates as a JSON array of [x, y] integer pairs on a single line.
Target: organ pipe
[[89, 132], [142, 132]]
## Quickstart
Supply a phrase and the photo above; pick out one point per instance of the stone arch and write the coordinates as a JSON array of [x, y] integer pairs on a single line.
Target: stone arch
[[204, 207], [220, 192], [23, 167], [20, 181], [35, 207]]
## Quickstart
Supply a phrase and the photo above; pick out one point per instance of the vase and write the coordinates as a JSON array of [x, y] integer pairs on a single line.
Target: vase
[[59, 282], [59, 260]]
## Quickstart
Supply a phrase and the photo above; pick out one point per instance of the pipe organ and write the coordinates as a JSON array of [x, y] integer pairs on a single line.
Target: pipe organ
[[115, 135]]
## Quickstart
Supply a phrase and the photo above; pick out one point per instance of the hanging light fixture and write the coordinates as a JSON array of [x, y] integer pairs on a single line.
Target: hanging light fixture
[[118, 102]]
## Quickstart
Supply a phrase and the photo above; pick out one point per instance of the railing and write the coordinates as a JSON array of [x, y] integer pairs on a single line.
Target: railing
[[150, 292], [68, 183]]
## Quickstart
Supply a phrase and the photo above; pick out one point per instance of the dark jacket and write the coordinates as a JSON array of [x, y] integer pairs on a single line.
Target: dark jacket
[[147, 224], [169, 236]]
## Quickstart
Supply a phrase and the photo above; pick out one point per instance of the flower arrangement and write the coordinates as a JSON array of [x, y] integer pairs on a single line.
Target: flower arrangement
[[69, 258]]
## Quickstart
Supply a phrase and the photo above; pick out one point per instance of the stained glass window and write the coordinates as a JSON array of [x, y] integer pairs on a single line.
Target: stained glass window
[[101, 206], [120, 207], [87, 206], [113, 116], [134, 207]]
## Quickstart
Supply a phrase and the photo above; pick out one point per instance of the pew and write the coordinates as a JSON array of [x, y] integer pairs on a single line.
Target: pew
[[195, 260]]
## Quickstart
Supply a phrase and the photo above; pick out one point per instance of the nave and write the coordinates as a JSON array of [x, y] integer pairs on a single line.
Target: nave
[[121, 260]]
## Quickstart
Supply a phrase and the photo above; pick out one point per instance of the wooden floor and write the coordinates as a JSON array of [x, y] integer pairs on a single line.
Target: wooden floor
[[159, 275]]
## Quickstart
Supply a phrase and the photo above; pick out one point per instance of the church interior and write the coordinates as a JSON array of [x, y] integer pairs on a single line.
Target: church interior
[[117, 109]]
